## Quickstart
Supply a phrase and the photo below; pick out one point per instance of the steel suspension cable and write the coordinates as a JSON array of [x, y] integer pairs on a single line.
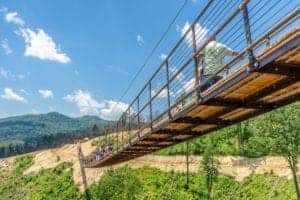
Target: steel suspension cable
[[152, 51]]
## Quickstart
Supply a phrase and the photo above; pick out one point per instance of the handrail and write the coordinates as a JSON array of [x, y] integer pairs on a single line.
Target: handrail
[[129, 119]]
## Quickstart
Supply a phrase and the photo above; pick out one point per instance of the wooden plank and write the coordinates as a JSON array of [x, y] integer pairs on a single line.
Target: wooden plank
[[158, 135], [237, 113], [204, 127], [272, 97], [182, 137], [205, 111], [228, 91], [251, 87], [178, 126]]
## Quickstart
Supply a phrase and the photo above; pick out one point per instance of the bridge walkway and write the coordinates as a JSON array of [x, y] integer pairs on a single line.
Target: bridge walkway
[[263, 76]]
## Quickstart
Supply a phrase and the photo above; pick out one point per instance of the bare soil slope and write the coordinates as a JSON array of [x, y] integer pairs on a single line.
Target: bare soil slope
[[238, 167]]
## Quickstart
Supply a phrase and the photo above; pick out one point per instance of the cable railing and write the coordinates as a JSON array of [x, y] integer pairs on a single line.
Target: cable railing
[[246, 27]]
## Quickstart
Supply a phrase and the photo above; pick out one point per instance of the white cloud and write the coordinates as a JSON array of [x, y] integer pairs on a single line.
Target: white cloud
[[9, 94], [163, 56], [6, 47], [3, 9], [5, 73], [4, 114], [37, 43], [24, 91], [85, 102], [163, 93], [180, 76], [51, 109], [20, 76], [87, 105], [187, 86], [47, 94], [201, 34], [35, 111], [13, 17], [140, 40], [112, 110], [40, 45]]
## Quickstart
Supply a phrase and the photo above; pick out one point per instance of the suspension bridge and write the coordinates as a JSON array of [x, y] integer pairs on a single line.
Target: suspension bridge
[[177, 104]]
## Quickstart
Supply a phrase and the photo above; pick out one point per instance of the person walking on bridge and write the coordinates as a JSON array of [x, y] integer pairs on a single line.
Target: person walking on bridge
[[213, 57]]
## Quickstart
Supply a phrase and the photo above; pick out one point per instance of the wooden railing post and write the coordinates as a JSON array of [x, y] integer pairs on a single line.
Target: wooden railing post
[[82, 165], [168, 89]]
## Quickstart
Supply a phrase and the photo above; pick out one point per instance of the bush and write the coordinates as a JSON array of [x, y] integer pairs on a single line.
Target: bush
[[56, 183], [22, 162], [117, 184]]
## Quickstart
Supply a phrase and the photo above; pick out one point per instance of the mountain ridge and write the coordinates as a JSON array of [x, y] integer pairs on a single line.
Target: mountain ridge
[[25, 133]]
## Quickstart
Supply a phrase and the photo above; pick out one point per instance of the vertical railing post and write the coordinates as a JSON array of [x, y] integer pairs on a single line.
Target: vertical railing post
[[150, 105], [168, 89], [138, 116], [129, 126], [106, 133], [197, 77], [109, 134], [123, 127], [247, 29], [117, 134], [268, 42]]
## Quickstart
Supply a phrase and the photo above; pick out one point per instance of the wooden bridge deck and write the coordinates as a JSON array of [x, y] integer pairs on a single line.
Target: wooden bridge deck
[[243, 94]]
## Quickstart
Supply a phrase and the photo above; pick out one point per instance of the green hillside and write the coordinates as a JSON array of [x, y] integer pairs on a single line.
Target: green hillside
[[267, 134], [30, 132], [255, 137], [136, 184]]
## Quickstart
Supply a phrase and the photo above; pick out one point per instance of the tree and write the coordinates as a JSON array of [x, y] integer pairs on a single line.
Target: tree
[[243, 134], [209, 164], [284, 128], [117, 184]]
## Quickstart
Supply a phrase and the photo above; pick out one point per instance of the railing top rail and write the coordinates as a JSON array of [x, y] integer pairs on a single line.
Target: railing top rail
[[176, 46], [218, 29]]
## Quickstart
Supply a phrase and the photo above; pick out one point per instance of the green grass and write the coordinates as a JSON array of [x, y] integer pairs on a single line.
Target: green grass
[[151, 183], [56, 183], [141, 184]]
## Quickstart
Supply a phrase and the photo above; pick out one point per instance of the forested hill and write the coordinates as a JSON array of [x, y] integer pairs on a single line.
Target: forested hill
[[31, 132]]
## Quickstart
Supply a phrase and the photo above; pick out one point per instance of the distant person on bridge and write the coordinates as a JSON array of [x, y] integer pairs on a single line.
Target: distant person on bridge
[[213, 57]]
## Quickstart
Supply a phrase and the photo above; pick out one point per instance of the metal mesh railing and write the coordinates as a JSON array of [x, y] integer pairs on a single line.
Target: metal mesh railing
[[244, 26]]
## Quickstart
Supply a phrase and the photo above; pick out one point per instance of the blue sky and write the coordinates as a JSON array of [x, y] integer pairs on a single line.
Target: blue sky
[[77, 57]]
